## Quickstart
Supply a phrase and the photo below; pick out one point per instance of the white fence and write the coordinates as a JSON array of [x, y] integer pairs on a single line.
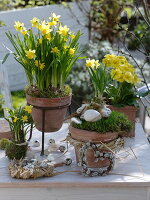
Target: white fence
[[16, 74]]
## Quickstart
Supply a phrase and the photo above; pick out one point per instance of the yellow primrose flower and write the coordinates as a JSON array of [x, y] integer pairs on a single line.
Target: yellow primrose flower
[[63, 30], [55, 17], [55, 50], [136, 79], [24, 118], [35, 22], [30, 54], [128, 77], [15, 119], [116, 74], [72, 36], [28, 109], [90, 63], [18, 26], [71, 51], [42, 66], [97, 64]]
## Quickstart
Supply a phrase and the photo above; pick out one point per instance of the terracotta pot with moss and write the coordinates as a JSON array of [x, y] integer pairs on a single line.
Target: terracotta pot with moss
[[49, 111], [130, 112], [105, 130]]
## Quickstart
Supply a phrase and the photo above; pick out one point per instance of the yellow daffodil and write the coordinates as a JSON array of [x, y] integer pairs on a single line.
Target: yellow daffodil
[[19, 26], [15, 119], [40, 41], [37, 63], [55, 50], [30, 54], [35, 22], [90, 63], [28, 109], [72, 36], [48, 36], [97, 64], [24, 32], [24, 118], [44, 28], [53, 23], [71, 51], [41, 66], [65, 47], [63, 30], [55, 17]]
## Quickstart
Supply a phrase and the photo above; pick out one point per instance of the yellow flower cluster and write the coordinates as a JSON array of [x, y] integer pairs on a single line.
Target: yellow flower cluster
[[45, 27], [92, 63], [30, 54], [24, 118], [20, 27], [121, 69], [39, 64]]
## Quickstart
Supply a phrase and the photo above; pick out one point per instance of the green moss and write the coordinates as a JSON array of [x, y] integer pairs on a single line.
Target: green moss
[[49, 93], [116, 122], [3, 143], [14, 151]]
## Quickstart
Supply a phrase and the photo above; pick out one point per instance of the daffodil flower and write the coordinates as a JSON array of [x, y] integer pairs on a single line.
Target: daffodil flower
[[24, 118], [28, 109], [63, 30], [71, 51], [30, 54], [55, 50]]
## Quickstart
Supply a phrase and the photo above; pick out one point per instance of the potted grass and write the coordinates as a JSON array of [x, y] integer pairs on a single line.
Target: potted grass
[[121, 93], [96, 123], [19, 121], [47, 55]]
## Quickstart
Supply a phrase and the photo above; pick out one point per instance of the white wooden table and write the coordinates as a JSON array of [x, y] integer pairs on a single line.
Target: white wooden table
[[130, 178]]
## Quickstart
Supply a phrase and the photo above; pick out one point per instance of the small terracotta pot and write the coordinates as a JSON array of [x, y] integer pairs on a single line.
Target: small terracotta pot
[[85, 136], [130, 112], [55, 112]]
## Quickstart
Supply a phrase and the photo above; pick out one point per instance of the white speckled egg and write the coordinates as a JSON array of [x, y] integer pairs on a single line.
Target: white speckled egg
[[92, 115], [105, 112], [36, 143]]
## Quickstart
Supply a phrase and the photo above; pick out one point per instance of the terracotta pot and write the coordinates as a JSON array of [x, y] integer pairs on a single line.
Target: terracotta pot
[[55, 112], [130, 112], [85, 136], [5, 131]]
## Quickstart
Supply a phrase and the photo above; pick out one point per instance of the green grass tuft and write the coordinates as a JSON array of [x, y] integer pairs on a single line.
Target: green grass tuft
[[116, 122]]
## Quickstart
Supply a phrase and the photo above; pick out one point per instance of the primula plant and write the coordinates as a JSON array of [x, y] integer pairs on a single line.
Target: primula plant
[[47, 54], [121, 91], [100, 78], [19, 121]]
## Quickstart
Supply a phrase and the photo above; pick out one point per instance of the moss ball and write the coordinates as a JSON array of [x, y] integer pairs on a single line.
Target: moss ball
[[3, 143], [116, 122], [14, 151]]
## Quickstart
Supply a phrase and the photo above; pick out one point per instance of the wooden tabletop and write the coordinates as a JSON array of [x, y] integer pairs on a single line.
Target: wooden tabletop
[[132, 168]]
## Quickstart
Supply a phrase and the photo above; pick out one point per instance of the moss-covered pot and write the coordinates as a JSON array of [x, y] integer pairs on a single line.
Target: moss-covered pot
[[130, 112], [95, 137], [55, 112], [16, 151]]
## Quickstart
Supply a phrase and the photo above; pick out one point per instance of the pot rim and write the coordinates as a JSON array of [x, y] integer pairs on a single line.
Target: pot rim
[[103, 136]]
